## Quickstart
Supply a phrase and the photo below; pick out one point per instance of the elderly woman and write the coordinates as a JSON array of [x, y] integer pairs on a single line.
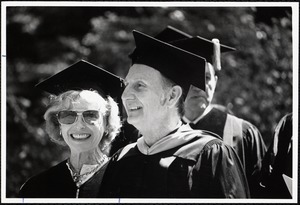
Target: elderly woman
[[84, 120]]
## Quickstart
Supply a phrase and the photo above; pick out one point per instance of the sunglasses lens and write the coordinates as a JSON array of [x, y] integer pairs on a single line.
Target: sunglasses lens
[[67, 117], [90, 116]]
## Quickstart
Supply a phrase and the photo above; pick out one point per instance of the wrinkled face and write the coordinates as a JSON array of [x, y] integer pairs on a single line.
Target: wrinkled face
[[197, 98], [86, 133], [144, 96]]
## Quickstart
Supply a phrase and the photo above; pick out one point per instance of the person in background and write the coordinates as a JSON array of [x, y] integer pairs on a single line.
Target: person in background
[[169, 160], [200, 113], [222, 108], [277, 163], [83, 116]]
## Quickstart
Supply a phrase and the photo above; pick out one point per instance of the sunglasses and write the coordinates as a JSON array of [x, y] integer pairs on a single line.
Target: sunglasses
[[68, 117]]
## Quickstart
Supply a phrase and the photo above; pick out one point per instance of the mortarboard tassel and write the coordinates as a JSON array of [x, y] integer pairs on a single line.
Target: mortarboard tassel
[[216, 54]]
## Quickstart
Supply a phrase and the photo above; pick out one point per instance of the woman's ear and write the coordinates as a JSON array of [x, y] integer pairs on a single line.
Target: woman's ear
[[106, 131], [175, 94]]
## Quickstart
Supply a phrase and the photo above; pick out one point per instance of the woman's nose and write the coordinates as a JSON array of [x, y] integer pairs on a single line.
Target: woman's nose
[[80, 123]]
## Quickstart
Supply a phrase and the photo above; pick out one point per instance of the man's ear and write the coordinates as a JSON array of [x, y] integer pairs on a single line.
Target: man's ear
[[216, 79], [175, 94], [216, 82]]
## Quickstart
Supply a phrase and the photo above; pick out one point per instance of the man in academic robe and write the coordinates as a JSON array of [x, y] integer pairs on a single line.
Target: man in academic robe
[[240, 134], [169, 160]]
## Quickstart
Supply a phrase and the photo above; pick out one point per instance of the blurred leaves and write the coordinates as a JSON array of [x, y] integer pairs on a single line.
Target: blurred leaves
[[255, 82]]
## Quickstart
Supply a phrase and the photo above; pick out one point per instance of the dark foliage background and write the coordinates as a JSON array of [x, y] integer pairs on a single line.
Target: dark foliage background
[[255, 83]]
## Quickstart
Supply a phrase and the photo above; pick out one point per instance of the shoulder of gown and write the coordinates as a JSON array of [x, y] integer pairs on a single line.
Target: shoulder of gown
[[219, 166], [35, 184]]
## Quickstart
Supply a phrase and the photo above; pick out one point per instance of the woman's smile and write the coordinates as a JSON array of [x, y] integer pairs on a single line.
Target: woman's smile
[[80, 136]]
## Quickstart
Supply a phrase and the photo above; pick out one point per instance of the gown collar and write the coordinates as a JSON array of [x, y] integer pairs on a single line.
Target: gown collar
[[178, 137], [206, 111]]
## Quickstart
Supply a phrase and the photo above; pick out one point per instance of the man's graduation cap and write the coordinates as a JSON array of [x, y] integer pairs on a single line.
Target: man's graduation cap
[[170, 34], [178, 65], [167, 35], [209, 49], [83, 75]]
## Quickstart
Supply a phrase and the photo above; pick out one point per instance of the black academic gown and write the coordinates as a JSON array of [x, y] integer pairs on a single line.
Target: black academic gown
[[278, 161], [128, 134], [245, 138], [57, 182], [200, 168]]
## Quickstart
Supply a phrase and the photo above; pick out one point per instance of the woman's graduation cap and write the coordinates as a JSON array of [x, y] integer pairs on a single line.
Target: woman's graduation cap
[[83, 75], [178, 65]]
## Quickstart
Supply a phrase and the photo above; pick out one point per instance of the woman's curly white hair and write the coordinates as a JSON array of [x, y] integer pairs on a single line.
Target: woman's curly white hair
[[64, 101]]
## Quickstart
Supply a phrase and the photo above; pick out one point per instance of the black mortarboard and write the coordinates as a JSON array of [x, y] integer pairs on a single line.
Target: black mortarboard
[[83, 75], [167, 35], [171, 34], [178, 65], [208, 49]]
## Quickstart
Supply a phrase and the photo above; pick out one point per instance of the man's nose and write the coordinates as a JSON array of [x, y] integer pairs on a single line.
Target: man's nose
[[207, 87], [127, 94]]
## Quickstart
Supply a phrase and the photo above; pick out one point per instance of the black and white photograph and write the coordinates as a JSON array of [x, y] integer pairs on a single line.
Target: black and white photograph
[[149, 102]]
